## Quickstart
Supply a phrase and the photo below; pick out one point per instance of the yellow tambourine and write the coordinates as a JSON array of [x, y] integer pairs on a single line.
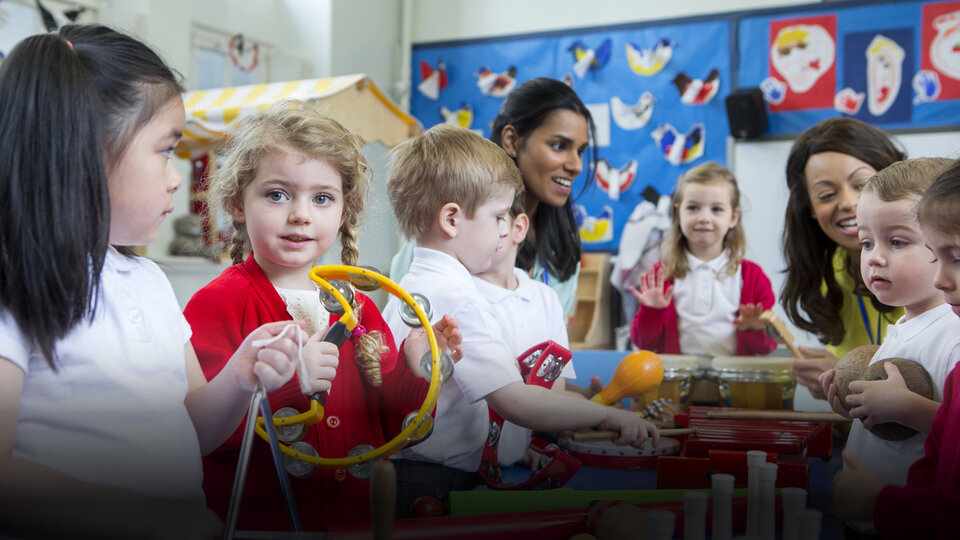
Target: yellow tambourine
[[417, 426]]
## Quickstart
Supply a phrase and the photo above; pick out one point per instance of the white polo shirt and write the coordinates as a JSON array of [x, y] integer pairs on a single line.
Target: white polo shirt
[[529, 315], [113, 414], [932, 339], [707, 301], [462, 421]]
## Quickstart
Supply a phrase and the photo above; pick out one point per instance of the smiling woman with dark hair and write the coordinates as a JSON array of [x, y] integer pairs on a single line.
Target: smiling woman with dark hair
[[823, 293]]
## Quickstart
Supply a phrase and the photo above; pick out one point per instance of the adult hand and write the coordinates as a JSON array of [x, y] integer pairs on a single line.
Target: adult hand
[[808, 372]]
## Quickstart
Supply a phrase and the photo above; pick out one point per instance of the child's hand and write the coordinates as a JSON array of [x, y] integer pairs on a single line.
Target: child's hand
[[633, 429], [877, 402], [651, 293], [320, 358], [808, 372], [273, 363], [830, 391], [417, 344], [748, 319], [855, 490]]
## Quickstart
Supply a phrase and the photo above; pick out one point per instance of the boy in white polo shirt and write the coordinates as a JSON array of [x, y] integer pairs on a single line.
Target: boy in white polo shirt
[[899, 270], [529, 312], [451, 191]]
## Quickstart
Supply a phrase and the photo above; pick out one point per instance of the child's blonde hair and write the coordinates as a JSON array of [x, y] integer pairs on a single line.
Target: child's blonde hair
[[675, 245], [907, 178], [300, 127], [938, 206], [445, 164]]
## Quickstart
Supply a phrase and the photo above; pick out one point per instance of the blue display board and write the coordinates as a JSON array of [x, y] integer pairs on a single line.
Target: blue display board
[[657, 89], [667, 80], [894, 65]]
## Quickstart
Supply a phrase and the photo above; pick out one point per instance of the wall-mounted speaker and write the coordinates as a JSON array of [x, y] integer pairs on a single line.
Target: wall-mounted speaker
[[746, 113]]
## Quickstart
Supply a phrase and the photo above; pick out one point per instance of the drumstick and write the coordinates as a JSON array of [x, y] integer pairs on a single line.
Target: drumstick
[[776, 325], [611, 435], [383, 499], [789, 416]]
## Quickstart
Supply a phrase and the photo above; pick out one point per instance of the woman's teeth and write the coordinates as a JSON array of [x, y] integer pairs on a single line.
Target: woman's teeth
[[849, 224], [563, 182]]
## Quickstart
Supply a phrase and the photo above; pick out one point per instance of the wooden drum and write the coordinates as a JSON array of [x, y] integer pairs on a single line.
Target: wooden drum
[[608, 455], [754, 382], [679, 376]]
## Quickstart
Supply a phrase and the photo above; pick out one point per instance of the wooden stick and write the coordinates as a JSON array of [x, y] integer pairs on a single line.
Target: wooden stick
[[788, 416], [383, 499], [774, 323], [611, 435]]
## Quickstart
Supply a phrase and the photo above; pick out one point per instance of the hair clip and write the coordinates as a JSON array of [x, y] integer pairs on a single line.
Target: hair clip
[[70, 43], [358, 331]]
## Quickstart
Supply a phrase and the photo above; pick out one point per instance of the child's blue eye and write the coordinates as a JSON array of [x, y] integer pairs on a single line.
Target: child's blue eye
[[167, 152], [866, 244], [322, 199], [276, 196]]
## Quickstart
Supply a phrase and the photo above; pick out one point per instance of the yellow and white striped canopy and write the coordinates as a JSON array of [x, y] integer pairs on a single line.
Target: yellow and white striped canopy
[[353, 100]]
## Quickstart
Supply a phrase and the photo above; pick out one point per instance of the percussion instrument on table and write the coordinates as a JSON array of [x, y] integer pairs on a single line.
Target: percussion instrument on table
[[609, 455], [754, 382], [680, 373]]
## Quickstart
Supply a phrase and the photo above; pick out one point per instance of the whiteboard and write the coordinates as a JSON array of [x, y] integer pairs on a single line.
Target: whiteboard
[[759, 168]]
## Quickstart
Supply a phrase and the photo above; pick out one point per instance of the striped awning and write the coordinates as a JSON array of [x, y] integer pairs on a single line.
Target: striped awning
[[353, 100]]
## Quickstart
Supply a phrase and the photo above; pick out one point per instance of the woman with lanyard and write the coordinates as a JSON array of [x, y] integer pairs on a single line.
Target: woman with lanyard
[[545, 128], [824, 293]]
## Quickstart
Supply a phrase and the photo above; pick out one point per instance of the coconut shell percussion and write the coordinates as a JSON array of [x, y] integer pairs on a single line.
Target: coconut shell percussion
[[855, 365]]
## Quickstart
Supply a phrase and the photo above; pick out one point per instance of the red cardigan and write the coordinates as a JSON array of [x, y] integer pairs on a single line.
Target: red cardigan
[[221, 314], [924, 507], [656, 329]]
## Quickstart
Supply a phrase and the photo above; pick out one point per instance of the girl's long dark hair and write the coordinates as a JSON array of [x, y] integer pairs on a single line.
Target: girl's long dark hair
[[71, 101], [808, 251], [557, 237]]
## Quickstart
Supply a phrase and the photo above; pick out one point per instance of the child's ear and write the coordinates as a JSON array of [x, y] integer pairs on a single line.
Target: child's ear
[[736, 217], [510, 140], [521, 224], [449, 218], [235, 208]]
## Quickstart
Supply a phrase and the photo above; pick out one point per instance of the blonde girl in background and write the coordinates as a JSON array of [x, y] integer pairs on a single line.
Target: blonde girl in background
[[294, 181], [703, 297]]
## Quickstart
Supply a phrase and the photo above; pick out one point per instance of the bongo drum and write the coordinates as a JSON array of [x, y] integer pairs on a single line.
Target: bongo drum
[[609, 455], [679, 374], [754, 382]]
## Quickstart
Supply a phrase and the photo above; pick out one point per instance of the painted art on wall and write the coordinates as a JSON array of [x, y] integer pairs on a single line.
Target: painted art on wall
[[892, 64], [803, 54], [656, 93]]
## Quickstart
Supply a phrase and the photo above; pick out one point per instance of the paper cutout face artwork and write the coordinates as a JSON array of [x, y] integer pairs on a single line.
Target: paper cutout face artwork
[[848, 101], [648, 62], [926, 86], [679, 148], [801, 54], [630, 117], [884, 74], [945, 48], [594, 229], [615, 181]]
